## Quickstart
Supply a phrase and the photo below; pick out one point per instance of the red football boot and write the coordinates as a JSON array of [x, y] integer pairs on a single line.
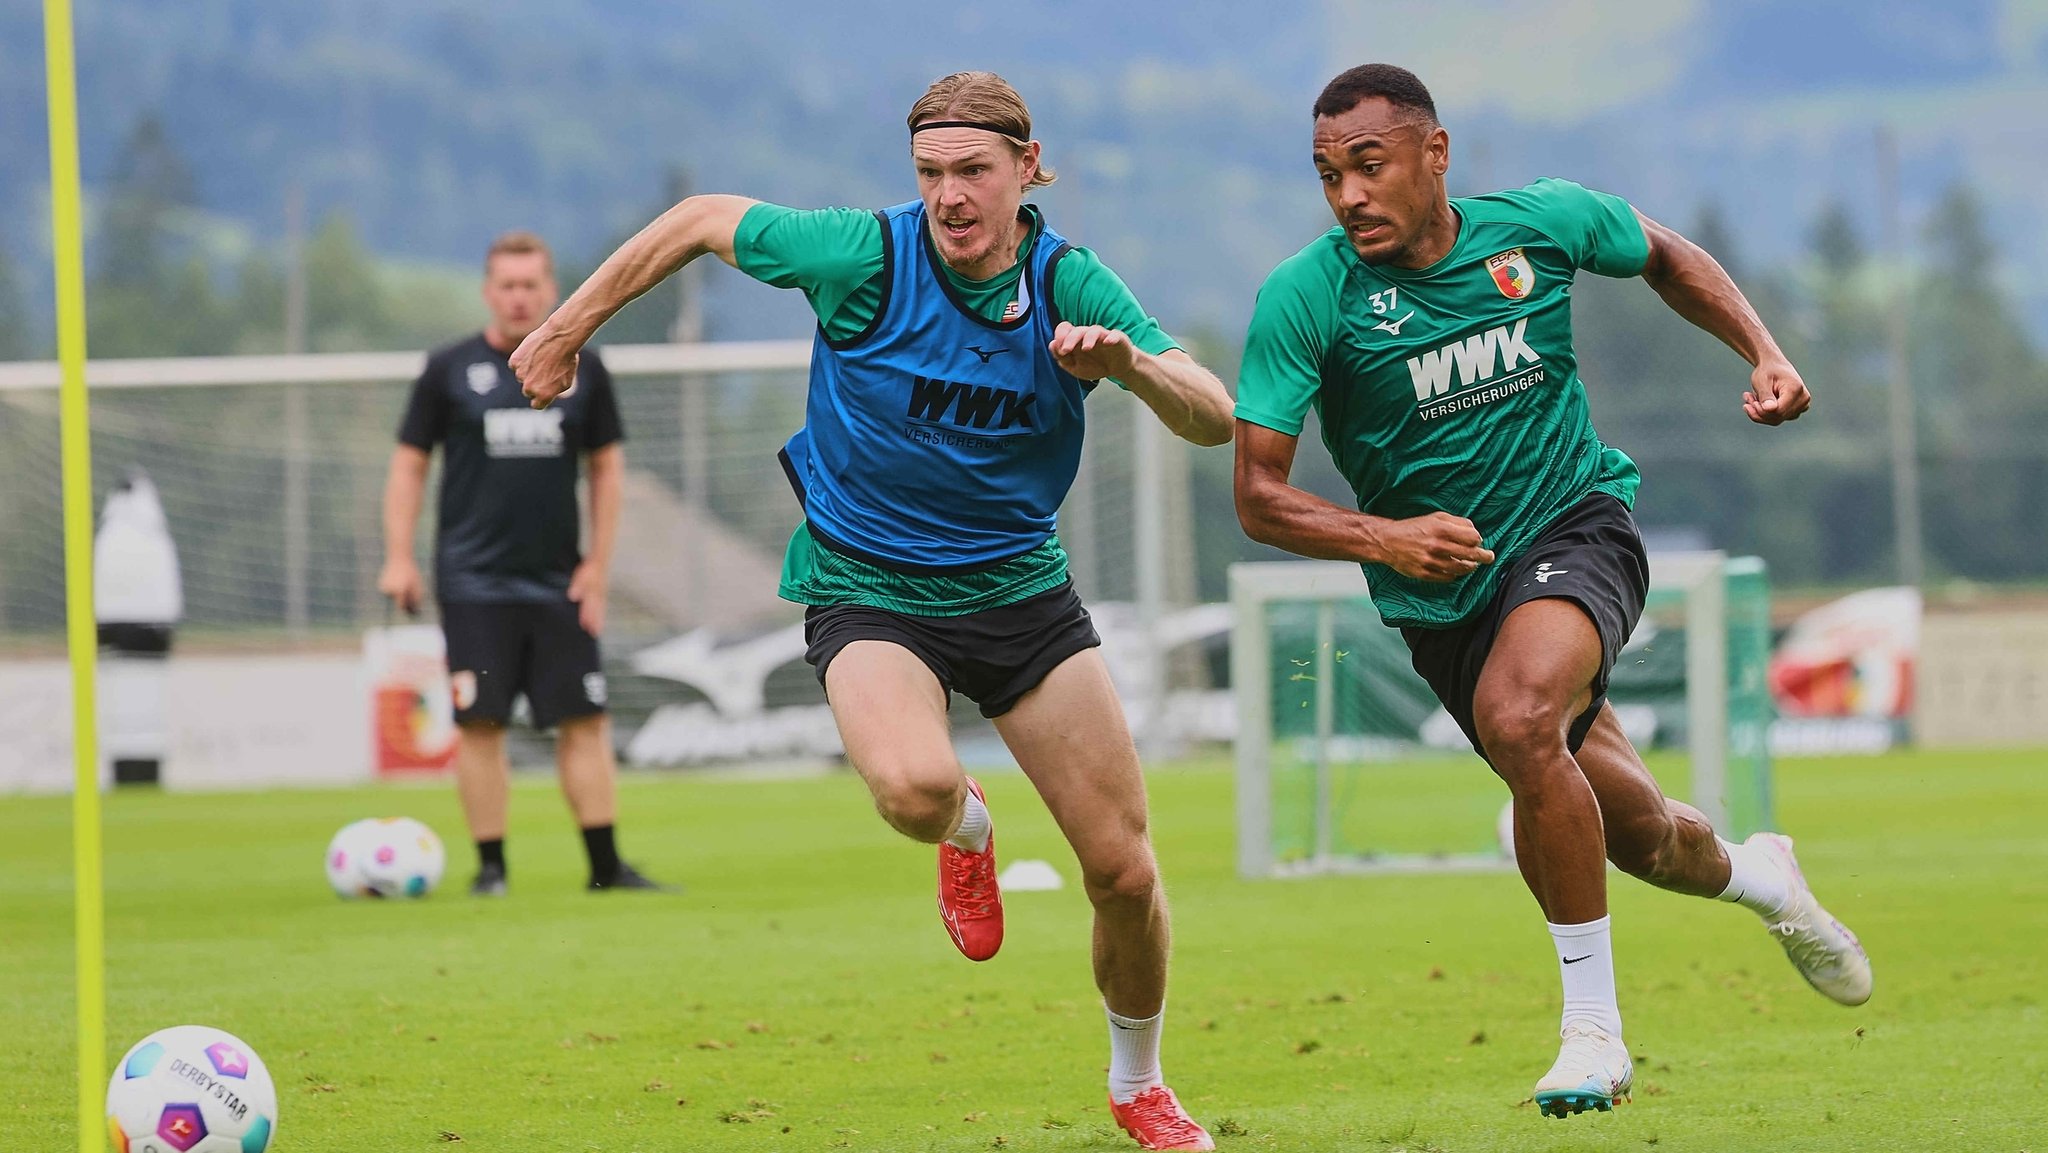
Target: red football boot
[[1156, 1120], [970, 903]]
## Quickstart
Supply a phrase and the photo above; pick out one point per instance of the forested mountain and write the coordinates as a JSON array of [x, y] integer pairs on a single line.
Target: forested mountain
[[1179, 125], [417, 130]]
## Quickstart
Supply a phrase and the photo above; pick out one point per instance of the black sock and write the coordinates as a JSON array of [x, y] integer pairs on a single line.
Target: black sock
[[491, 854], [604, 855]]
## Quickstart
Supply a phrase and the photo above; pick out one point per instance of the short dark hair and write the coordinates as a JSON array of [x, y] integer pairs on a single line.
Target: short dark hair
[[1395, 84]]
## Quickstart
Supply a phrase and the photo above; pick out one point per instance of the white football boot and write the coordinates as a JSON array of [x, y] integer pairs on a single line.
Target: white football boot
[[1593, 1071], [1824, 951]]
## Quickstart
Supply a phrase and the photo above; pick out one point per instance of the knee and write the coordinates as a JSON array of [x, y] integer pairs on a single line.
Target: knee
[[481, 736], [1130, 879], [1643, 844], [1518, 730], [920, 802], [578, 731]]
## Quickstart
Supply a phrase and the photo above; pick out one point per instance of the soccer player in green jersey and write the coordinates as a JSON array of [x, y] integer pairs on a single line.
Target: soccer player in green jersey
[[1433, 338], [959, 338]]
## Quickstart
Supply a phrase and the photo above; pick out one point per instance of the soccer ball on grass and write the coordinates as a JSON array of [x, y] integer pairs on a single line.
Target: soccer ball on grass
[[385, 857], [191, 1089]]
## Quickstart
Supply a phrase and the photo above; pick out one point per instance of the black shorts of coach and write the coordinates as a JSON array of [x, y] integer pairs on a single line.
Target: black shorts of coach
[[498, 651], [1592, 556], [992, 657]]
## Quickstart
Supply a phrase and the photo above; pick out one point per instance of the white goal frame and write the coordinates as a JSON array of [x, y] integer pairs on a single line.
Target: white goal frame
[[1700, 578]]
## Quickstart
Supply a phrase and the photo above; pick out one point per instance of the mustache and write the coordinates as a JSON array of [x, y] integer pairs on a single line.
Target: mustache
[[1365, 221]]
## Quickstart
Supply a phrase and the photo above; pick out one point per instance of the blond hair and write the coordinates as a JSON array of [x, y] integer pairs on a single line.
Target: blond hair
[[519, 242], [986, 99]]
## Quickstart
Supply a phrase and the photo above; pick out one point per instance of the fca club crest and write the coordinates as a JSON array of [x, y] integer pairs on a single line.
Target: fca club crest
[[483, 377], [1511, 273]]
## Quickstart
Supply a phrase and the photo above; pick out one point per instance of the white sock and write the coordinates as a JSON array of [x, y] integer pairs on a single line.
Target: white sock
[[1133, 1053], [1585, 958], [972, 835], [1756, 881]]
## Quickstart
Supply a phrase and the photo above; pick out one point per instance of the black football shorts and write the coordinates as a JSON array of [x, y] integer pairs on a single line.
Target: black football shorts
[[498, 651], [1590, 555], [992, 657]]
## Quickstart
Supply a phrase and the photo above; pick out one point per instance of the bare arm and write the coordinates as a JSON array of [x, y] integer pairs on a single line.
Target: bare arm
[[405, 485], [1437, 547], [1186, 397], [590, 586], [1697, 288], [545, 361]]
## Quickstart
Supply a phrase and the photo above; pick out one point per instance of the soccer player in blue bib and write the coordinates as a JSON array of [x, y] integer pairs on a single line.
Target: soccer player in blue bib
[[959, 338], [1433, 337]]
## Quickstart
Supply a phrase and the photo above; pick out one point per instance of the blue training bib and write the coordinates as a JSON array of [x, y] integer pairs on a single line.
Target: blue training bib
[[939, 440]]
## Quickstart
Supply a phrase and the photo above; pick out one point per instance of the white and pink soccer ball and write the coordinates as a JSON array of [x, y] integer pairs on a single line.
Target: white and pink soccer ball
[[191, 1089], [385, 857]]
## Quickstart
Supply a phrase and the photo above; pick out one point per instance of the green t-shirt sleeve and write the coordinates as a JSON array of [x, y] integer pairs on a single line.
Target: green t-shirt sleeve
[[827, 252], [1284, 349], [1598, 230], [1086, 291]]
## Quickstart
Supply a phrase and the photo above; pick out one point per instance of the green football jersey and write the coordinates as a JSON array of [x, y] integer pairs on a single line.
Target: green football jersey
[[1452, 388]]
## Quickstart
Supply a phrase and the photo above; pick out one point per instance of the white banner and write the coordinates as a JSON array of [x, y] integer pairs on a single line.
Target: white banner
[[235, 722]]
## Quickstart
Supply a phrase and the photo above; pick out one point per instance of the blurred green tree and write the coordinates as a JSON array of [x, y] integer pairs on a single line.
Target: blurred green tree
[[1981, 391], [15, 341], [151, 291]]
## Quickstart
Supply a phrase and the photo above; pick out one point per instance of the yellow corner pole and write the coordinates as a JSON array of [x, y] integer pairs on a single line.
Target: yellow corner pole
[[67, 248]]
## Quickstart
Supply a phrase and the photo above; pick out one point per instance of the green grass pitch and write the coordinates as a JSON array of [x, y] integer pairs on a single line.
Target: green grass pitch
[[801, 994]]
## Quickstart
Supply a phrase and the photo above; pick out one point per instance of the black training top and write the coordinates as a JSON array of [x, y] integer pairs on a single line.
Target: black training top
[[508, 524]]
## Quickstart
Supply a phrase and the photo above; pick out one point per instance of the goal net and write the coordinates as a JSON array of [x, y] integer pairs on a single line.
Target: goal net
[[1346, 762], [270, 472]]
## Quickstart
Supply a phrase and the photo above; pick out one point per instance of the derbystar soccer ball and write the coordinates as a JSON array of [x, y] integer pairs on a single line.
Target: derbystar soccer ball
[[191, 1089], [400, 857]]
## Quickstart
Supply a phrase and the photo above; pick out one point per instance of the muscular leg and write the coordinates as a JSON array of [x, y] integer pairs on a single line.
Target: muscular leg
[[588, 768], [891, 713], [1649, 836], [1538, 676], [481, 778], [1670, 844], [1069, 736]]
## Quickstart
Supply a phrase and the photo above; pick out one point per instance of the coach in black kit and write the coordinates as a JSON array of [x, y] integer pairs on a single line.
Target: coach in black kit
[[521, 607]]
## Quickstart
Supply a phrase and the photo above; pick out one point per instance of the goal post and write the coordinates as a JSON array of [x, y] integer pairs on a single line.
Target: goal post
[[1345, 761]]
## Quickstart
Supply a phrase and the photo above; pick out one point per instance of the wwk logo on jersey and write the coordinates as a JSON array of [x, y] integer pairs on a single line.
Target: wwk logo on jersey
[[1472, 360], [978, 406], [523, 432], [1511, 273]]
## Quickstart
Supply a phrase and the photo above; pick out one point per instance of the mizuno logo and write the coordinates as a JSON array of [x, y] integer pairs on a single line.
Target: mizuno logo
[[1474, 359], [1393, 327], [971, 405], [986, 354]]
